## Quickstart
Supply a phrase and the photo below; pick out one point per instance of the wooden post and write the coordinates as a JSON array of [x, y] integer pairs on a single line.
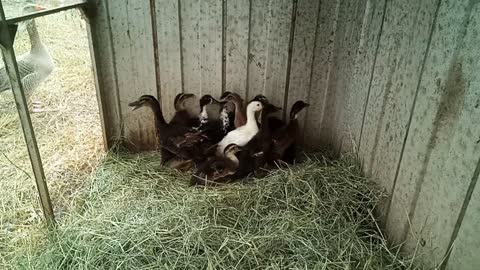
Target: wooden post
[[7, 36]]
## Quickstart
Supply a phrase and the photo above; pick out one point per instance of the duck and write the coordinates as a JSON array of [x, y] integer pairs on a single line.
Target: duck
[[243, 134], [260, 145], [218, 169], [175, 140], [286, 136], [36, 65], [240, 114], [229, 110], [183, 114], [276, 123], [213, 129], [227, 115]]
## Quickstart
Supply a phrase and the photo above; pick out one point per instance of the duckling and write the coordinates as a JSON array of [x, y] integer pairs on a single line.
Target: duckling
[[218, 169], [213, 129], [286, 136], [175, 140], [183, 115], [240, 115], [227, 114], [260, 145], [205, 100], [243, 134], [276, 123]]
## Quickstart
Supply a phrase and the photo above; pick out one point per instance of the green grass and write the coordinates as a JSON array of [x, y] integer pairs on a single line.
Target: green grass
[[138, 215]]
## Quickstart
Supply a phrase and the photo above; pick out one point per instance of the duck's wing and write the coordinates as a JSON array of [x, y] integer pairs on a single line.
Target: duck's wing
[[31, 81]]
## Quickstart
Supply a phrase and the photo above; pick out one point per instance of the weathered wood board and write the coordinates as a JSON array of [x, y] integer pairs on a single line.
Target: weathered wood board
[[303, 48], [323, 57], [278, 38], [105, 74], [269, 43], [464, 253], [131, 27], [346, 44], [361, 73], [237, 38], [442, 149], [169, 53], [403, 45]]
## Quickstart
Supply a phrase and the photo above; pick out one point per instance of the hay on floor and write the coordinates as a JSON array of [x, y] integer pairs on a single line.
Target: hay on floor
[[137, 215]]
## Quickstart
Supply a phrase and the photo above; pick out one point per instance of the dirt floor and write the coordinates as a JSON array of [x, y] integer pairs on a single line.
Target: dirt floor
[[68, 131]]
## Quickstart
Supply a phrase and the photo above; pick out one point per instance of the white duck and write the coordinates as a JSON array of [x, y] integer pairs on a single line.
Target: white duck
[[243, 134], [34, 66]]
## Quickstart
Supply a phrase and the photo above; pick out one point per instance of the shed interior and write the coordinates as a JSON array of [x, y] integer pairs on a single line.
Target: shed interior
[[396, 82]]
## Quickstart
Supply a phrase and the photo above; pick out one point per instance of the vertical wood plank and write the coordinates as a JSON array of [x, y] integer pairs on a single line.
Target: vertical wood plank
[[403, 45], [169, 53], [277, 51], [190, 40], [201, 30], [134, 61], [211, 46], [302, 53], [269, 42], [101, 52], [363, 68], [237, 31], [346, 44], [259, 26], [442, 149], [464, 254], [323, 56]]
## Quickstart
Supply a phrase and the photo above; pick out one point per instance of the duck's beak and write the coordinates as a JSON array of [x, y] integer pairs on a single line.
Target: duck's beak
[[40, 8], [218, 102], [307, 105], [277, 109], [135, 105]]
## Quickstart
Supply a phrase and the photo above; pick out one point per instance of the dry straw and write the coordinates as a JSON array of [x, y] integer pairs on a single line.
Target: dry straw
[[138, 215]]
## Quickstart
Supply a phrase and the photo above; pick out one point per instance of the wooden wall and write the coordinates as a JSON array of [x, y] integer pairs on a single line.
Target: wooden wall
[[396, 81]]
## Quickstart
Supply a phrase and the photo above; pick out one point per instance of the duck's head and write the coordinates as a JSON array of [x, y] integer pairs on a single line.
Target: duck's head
[[254, 106], [270, 108], [208, 99], [297, 108], [261, 98], [28, 9], [181, 99], [31, 8], [231, 149], [225, 94], [145, 100], [234, 97]]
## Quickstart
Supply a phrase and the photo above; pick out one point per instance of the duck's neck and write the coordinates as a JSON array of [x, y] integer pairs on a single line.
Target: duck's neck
[[157, 111], [203, 115], [35, 43], [239, 114], [233, 158], [265, 128], [225, 119], [293, 123], [251, 121]]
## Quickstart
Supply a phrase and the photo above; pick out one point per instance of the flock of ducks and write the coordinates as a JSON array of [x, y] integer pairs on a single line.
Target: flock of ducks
[[240, 141]]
